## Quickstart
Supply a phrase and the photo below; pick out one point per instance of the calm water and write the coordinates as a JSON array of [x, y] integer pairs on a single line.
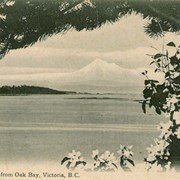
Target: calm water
[[46, 127]]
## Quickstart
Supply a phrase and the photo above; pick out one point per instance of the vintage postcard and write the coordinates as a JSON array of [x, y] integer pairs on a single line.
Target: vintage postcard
[[89, 89]]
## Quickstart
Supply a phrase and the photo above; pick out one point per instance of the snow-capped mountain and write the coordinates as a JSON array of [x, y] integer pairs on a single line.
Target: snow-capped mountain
[[100, 70], [97, 76]]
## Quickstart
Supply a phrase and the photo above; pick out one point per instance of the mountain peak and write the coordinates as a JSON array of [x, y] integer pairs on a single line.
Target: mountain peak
[[99, 69], [99, 61]]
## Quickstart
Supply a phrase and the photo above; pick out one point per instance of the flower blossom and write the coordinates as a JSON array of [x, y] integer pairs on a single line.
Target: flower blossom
[[95, 153], [176, 117], [105, 161], [125, 151], [74, 157], [10, 3], [165, 129]]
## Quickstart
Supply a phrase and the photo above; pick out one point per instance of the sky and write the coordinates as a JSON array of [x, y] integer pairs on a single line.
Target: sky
[[123, 43]]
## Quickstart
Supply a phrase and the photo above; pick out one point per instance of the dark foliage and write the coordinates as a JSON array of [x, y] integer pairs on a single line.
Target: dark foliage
[[29, 21]]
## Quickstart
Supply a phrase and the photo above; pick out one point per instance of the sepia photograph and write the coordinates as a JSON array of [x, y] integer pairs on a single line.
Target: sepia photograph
[[89, 89]]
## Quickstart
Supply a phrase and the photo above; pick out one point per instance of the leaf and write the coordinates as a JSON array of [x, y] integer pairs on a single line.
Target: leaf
[[150, 105], [158, 111], [156, 70], [152, 62], [147, 93], [64, 160], [147, 81], [143, 73], [160, 88], [131, 162], [159, 60], [177, 80], [144, 107], [80, 162], [167, 74], [158, 55], [68, 164], [154, 81], [177, 68], [174, 60], [171, 89], [152, 162], [115, 165], [171, 44]]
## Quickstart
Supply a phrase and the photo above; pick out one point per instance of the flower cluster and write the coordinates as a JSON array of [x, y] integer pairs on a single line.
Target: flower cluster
[[104, 162], [125, 157], [125, 151], [74, 160]]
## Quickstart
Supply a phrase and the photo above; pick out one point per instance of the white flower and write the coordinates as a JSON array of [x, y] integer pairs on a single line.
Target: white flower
[[63, 6], [10, 3], [74, 155], [167, 83], [18, 37], [167, 114], [126, 151], [81, 159], [165, 126], [80, 166], [102, 158], [73, 163], [107, 158], [89, 3], [171, 101], [110, 157], [168, 166], [158, 149], [176, 117], [151, 157], [24, 18], [161, 144], [165, 129], [96, 164], [107, 154], [95, 153], [3, 17]]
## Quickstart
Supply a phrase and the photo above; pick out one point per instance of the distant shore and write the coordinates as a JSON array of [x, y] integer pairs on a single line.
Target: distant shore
[[25, 90]]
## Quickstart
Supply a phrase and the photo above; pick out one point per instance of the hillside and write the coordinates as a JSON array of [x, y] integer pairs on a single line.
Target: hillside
[[29, 90]]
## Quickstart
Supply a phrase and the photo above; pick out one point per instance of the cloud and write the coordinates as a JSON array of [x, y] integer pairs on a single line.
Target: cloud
[[127, 33], [40, 57], [23, 71]]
